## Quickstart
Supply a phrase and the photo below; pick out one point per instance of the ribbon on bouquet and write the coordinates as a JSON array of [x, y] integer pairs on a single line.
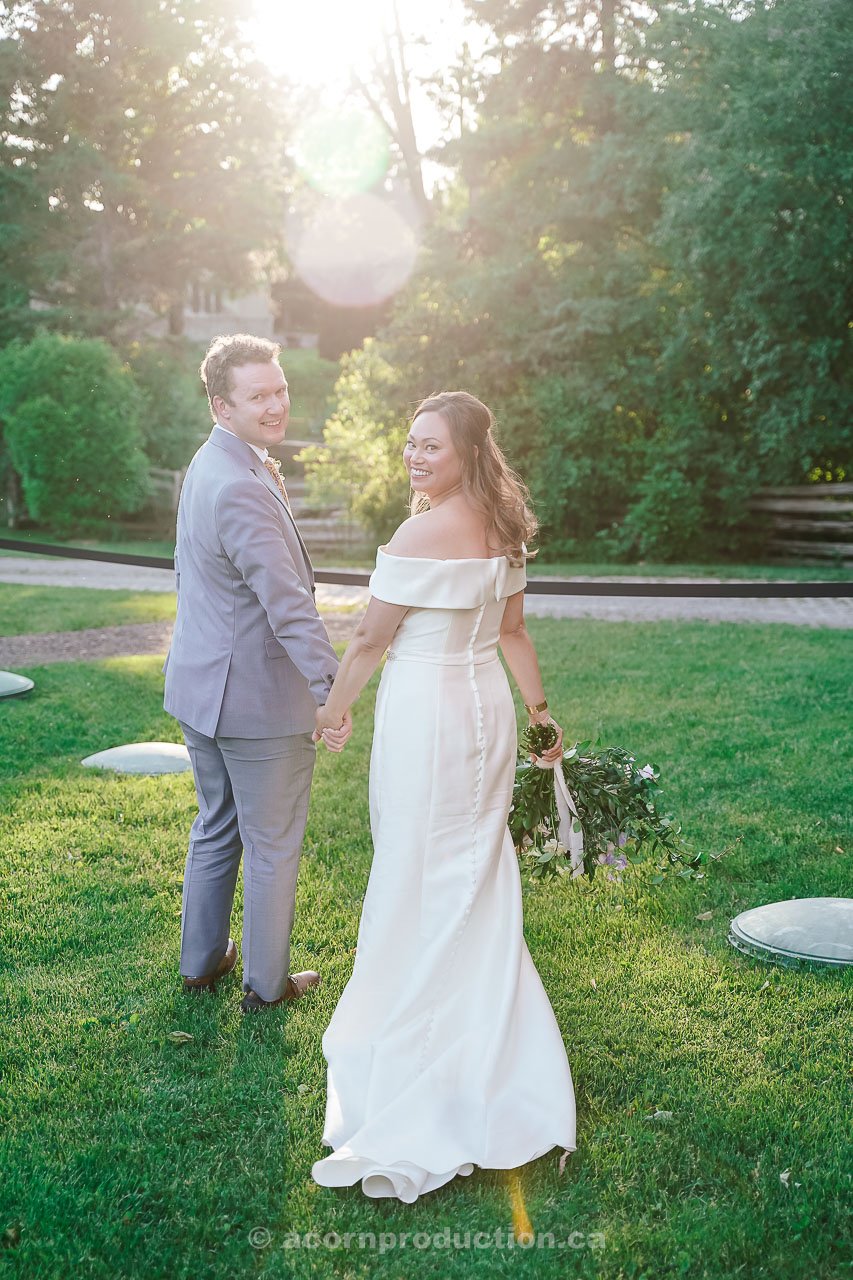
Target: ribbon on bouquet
[[569, 838]]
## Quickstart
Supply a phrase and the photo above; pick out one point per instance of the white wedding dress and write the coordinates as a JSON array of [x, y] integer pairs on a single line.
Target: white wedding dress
[[443, 1051]]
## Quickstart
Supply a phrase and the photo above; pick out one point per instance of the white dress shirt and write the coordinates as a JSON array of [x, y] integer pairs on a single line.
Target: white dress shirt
[[263, 454]]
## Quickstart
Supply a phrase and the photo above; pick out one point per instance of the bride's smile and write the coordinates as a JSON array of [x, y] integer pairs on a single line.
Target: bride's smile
[[431, 458]]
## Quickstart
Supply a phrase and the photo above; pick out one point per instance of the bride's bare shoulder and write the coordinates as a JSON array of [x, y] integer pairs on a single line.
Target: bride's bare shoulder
[[420, 535], [442, 533]]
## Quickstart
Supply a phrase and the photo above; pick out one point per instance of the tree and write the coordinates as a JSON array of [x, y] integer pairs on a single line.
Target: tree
[[531, 282], [174, 414], [141, 141], [756, 226], [388, 92], [645, 265], [360, 460]]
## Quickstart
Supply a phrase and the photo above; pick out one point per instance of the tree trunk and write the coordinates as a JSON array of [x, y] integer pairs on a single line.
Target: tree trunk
[[394, 109], [176, 318], [13, 498], [608, 34]]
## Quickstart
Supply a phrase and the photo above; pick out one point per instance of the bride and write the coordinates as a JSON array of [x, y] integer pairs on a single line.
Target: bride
[[443, 1052]]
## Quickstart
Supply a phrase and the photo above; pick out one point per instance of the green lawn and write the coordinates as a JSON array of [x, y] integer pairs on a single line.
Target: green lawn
[[127, 1154], [28, 610]]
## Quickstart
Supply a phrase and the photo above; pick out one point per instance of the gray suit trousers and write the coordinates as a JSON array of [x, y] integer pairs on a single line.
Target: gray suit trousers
[[252, 799]]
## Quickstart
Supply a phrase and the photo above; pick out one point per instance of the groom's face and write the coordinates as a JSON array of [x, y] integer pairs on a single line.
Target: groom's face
[[258, 405]]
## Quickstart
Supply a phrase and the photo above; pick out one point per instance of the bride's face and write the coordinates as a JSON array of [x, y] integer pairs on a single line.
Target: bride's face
[[430, 457]]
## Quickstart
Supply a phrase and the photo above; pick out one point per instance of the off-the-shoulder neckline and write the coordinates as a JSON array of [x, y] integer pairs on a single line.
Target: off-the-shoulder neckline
[[449, 560]]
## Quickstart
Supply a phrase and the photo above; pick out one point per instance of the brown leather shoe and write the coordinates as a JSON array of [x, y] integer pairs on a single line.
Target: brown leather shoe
[[209, 981], [295, 988]]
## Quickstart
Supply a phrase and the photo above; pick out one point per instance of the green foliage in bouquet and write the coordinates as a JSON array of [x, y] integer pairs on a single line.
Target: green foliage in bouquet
[[619, 810]]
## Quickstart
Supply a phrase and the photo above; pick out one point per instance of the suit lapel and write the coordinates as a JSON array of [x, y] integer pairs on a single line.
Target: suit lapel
[[267, 480], [240, 449], [263, 475]]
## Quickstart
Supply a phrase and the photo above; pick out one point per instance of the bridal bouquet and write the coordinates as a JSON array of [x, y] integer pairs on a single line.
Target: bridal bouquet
[[599, 809]]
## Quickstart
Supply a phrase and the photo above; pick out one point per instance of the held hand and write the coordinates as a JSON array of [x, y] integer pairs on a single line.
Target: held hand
[[333, 731], [553, 754], [336, 739]]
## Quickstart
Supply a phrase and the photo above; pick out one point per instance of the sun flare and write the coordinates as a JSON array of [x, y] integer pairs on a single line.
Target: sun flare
[[351, 235], [321, 44]]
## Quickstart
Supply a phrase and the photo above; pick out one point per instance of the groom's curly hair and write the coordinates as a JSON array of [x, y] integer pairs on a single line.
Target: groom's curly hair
[[229, 352]]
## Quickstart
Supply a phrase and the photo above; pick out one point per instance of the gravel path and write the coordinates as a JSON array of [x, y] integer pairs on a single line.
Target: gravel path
[[50, 571], [834, 612], [116, 642]]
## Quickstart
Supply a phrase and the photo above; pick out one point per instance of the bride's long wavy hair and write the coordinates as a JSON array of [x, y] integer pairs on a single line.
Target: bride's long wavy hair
[[488, 481]]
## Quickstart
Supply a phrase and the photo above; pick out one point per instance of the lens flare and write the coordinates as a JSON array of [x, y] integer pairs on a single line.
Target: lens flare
[[522, 1227], [355, 252], [342, 152]]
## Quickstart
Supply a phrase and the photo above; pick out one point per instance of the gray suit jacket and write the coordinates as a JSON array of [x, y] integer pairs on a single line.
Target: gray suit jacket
[[250, 657]]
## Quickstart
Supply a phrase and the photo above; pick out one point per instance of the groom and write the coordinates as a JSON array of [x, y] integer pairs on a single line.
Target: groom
[[249, 663]]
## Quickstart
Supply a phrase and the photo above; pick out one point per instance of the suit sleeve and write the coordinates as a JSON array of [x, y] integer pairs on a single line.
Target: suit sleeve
[[249, 528], [165, 666]]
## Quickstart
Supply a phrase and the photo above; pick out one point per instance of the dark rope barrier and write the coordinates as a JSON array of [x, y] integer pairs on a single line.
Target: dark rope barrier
[[535, 586]]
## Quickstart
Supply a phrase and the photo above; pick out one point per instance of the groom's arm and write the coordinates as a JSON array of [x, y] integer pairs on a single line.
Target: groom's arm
[[249, 529]]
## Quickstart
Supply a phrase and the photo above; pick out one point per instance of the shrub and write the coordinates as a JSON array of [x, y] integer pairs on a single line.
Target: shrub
[[70, 412], [175, 418], [360, 462], [311, 380]]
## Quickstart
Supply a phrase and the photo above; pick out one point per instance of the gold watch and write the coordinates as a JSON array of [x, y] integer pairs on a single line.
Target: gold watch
[[540, 706]]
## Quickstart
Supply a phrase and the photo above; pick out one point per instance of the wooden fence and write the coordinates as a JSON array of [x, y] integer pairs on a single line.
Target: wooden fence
[[166, 488], [806, 523], [811, 523], [326, 528]]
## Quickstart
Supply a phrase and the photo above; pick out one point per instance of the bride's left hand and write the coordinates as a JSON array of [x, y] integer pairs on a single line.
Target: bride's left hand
[[553, 754]]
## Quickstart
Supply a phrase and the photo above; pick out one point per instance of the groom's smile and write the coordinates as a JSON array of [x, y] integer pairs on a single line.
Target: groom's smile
[[258, 404]]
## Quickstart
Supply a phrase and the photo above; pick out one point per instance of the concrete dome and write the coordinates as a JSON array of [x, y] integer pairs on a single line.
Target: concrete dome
[[142, 757], [11, 684], [814, 930]]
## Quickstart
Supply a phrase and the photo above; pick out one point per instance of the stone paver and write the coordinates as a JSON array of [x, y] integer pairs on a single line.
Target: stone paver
[[834, 612]]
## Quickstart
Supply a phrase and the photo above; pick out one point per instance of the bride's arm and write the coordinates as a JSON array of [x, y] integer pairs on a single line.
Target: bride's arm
[[414, 537], [364, 652], [517, 647]]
